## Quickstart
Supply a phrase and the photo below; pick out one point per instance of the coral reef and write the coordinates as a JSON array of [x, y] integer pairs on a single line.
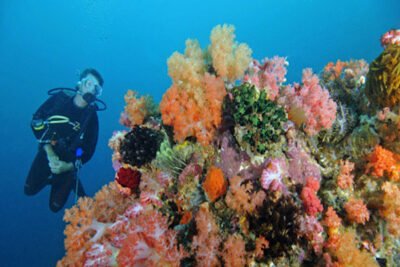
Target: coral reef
[[244, 170]]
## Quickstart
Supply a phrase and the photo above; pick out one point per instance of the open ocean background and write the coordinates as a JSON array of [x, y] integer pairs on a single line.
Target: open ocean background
[[45, 43]]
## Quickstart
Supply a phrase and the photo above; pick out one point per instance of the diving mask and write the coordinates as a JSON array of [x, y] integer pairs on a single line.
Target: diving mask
[[96, 89]]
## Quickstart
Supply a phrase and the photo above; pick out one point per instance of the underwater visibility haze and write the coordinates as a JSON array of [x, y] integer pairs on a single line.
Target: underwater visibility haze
[[237, 133]]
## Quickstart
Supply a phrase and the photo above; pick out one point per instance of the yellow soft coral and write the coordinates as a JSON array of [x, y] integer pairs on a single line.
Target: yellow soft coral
[[383, 80], [348, 254], [135, 108], [390, 210], [188, 68], [230, 59]]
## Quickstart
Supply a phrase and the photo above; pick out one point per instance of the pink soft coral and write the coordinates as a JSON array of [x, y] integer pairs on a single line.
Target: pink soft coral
[[207, 241], [311, 202], [269, 75], [150, 243], [312, 230], [309, 104]]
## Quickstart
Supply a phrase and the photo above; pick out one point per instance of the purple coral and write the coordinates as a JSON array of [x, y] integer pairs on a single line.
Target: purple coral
[[300, 164], [230, 157]]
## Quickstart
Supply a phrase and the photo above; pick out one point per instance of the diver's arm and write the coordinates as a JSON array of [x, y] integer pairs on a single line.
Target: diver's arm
[[41, 115], [57, 166]]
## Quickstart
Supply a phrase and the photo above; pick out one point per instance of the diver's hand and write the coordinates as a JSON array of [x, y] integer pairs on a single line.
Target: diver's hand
[[58, 166]]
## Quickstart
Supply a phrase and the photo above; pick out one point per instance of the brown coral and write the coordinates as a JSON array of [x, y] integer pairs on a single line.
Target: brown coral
[[383, 80], [215, 184], [345, 179], [234, 253]]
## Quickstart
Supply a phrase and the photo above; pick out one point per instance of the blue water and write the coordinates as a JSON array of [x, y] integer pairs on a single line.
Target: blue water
[[43, 44]]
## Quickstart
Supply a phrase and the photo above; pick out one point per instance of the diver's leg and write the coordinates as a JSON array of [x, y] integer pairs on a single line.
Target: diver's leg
[[38, 176], [60, 188]]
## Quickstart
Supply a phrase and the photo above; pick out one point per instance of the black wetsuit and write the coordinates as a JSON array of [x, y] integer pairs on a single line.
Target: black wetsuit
[[82, 133]]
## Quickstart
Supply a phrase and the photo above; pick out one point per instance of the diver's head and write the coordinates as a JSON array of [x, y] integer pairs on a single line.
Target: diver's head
[[90, 85]]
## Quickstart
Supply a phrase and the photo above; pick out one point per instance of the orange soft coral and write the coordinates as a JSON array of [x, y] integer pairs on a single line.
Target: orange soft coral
[[383, 162], [230, 60], [135, 110], [390, 210], [194, 111], [333, 222], [215, 184], [331, 219], [81, 233], [88, 220], [345, 178], [242, 197], [193, 104], [356, 211], [109, 203], [261, 245], [334, 69]]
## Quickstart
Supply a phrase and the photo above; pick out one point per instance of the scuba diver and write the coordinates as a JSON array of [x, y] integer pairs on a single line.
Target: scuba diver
[[66, 127]]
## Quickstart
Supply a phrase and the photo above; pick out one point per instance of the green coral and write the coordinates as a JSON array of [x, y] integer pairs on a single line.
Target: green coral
[[258, 120], [173, 159], [362, 140]]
